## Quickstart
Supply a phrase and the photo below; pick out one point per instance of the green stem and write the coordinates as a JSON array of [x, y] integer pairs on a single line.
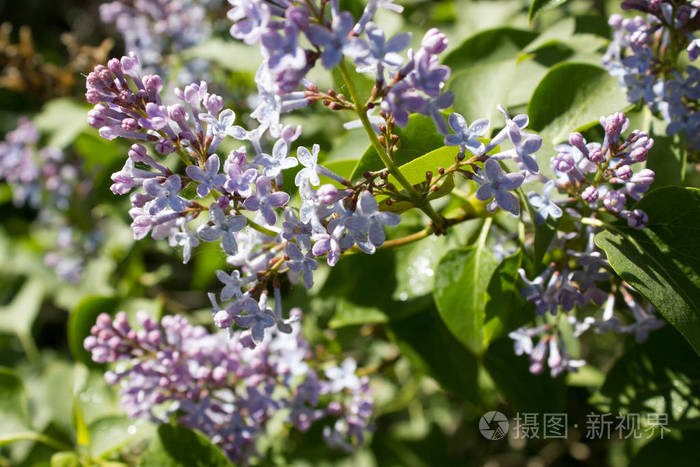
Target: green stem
[[33, 436], [260, 228], [361, 111]]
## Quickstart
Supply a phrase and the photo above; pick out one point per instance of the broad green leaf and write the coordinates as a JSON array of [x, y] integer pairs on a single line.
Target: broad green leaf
[[113, 433], [177, 446], [418, 138], [524, 391], [432, 349], [63, 119], [461, 293], [505, 309], [479, 89], [573, 96], [19, 315], [662, 261], [228, 54], [350, 314], [65, 459], [342, 167], [82, 318], [416, 265], [14, 411], [544, 234], [415, 170], [538, 6], [491, 45], [96, 151], [681, 452], [662, 375]]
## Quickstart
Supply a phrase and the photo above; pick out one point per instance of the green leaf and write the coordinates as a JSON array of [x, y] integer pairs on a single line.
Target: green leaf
[[432, 349], [491, 45], [541, 5], [230, 55], [97, 151], [418, 138], [178, 446], [350, 314], [342, 167], [416, 264], [65, 459], [573, 96], [81, 319], [18, 317], [81, 428], [461, 283], [14, 412], [505, 309], [479, 89], [524, 391], [415, 170], [662, 375], [113, 433], [662, 261], [63, 119]]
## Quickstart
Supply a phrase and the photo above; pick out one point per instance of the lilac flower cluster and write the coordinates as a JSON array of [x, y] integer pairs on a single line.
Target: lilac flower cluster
[[224, 388], [153, 29], [42, 178], [596, 179], [402, 86], [645, 57], [495, 183], [244, 202]]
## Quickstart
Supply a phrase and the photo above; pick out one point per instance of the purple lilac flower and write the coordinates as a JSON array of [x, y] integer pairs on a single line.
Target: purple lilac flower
[[209, 177], [544, 206], [214, 383], [332, 40], [466, 136], [497, 184], [165, 193], [310, 171], [299, 263], [224, 227], [264, 200], [377, 54]]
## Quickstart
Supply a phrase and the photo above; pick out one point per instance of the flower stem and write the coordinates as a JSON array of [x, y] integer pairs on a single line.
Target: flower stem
[[361, 110]]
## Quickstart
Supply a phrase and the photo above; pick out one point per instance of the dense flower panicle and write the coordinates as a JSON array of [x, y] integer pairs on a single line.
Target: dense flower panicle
[[44, 179], [403, 87], [224, 388], [645, 58], [596, 178], [153, 29], [238, 203]]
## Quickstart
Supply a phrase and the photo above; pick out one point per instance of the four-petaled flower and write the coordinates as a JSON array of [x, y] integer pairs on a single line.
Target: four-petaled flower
[[310, 162], [223, 126], [498, 184], [224, 228], [334, 40], [265, 200], [209, 177], [278, 161], [466, 135], [300, 263], [165, 194], [544, 205], [232, 284], [376, 54]]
